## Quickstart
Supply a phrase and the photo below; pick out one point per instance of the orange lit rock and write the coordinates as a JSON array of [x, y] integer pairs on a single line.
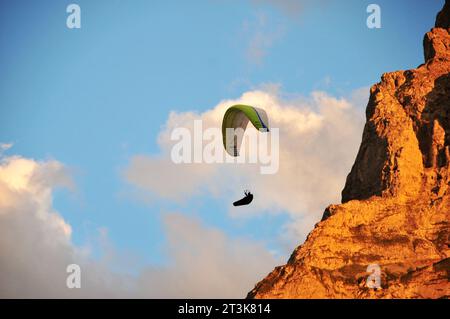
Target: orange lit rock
[[396, 201]]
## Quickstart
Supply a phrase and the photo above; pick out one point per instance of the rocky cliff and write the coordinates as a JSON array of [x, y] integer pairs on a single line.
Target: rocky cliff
[[396, 201]]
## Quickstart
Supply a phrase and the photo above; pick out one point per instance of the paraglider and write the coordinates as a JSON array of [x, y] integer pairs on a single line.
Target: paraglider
[[236, 119], [234, 124], [244, 201]]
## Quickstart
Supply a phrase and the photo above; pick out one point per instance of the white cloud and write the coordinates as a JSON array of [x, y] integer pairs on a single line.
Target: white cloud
[[36, 247], [4, 147], [262, 32], [206, 263], [35, 241], [319, 137], [261, 36]]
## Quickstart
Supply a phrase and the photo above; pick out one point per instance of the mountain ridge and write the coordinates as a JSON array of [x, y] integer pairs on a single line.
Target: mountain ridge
[[396, 200]]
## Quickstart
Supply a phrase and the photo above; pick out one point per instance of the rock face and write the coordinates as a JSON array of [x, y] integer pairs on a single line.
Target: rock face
[[396, 201]]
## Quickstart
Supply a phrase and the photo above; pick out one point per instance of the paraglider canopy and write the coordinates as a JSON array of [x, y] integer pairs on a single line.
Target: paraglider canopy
[[237, 117]]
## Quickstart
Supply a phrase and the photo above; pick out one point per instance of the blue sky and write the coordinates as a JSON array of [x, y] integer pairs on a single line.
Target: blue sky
[[93, 98]]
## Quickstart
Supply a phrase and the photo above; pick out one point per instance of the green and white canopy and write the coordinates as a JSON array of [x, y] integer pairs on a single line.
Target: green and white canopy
[[238, 116]]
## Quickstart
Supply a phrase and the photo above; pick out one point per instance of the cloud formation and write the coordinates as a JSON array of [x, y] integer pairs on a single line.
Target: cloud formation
[[35, 244], [206, 263], [261, 35], [5, 146], [319, 136], [36, 248]]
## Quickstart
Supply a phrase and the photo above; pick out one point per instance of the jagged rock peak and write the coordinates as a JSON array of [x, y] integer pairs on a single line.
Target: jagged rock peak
[[443, 17], [436, 43]]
